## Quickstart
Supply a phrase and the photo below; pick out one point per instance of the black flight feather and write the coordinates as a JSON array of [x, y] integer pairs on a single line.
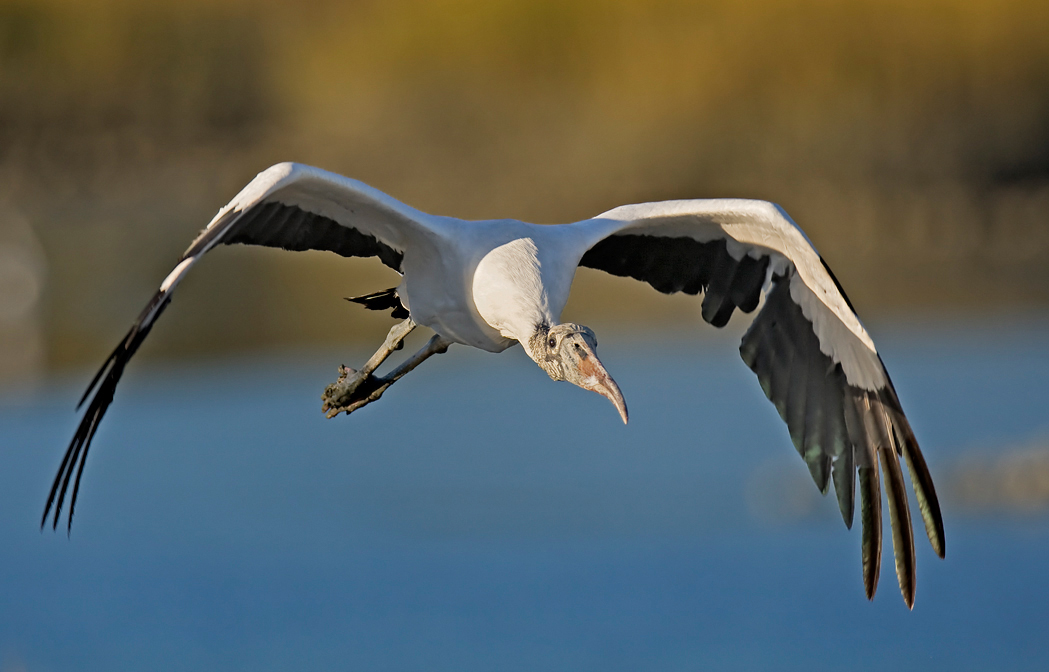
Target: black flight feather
[[271, 224]]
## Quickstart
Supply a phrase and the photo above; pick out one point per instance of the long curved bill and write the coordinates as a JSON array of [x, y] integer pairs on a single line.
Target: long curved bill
[[596, 379]]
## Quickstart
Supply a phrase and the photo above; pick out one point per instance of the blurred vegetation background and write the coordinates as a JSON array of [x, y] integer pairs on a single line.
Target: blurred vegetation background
[[909, 138]]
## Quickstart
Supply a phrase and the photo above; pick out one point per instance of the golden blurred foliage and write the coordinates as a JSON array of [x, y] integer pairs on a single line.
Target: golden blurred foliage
[[910, 140]]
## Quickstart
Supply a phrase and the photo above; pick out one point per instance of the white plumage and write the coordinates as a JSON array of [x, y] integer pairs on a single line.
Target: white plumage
[[492, 284]]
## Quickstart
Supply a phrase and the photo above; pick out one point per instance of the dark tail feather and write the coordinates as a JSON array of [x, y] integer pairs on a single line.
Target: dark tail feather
[[387, 299]]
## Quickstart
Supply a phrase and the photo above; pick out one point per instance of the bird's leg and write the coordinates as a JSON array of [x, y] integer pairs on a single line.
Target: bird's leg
[[341, 392], [355, 389]]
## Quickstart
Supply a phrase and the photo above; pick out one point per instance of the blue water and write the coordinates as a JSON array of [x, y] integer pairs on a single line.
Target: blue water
[[481, 517]]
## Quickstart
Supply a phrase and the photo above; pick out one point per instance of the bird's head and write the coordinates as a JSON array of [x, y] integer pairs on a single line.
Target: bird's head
[[569, 352]]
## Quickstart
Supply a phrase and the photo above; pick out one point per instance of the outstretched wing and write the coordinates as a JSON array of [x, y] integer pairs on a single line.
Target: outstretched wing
[[289, 206], [812, 356]]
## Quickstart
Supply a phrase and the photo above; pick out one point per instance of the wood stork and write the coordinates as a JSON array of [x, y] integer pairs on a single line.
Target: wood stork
[[493, 284]]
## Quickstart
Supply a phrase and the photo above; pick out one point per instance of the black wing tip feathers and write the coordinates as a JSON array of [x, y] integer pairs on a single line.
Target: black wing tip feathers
[[271, 224], [900, 523], [103, 385], [76, 454], [101, 372], [921, 478], [870, 525], [828, 417]]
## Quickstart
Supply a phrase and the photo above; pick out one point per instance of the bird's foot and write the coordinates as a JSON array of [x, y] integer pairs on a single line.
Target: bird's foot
[[351, 391], [355, 389]]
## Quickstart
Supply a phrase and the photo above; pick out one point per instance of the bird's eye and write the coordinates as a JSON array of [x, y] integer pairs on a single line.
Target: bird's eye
[[552, 342]]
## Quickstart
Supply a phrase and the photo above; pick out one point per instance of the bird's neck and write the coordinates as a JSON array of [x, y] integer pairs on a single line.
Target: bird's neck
[[535, 344]]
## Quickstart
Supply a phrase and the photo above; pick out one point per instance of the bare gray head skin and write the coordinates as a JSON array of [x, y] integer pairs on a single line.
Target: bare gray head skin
[[569, 352]]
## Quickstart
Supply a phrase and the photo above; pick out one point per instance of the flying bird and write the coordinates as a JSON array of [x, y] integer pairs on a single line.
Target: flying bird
[[494, 284]]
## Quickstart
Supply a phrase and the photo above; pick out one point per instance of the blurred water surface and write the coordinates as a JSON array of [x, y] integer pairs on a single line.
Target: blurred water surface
[[481, 517]]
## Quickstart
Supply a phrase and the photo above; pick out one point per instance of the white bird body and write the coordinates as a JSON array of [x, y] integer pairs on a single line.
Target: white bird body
[[491, 284]]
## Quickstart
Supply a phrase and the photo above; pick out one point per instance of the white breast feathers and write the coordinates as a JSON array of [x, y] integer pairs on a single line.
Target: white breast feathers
[[508, 290]]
